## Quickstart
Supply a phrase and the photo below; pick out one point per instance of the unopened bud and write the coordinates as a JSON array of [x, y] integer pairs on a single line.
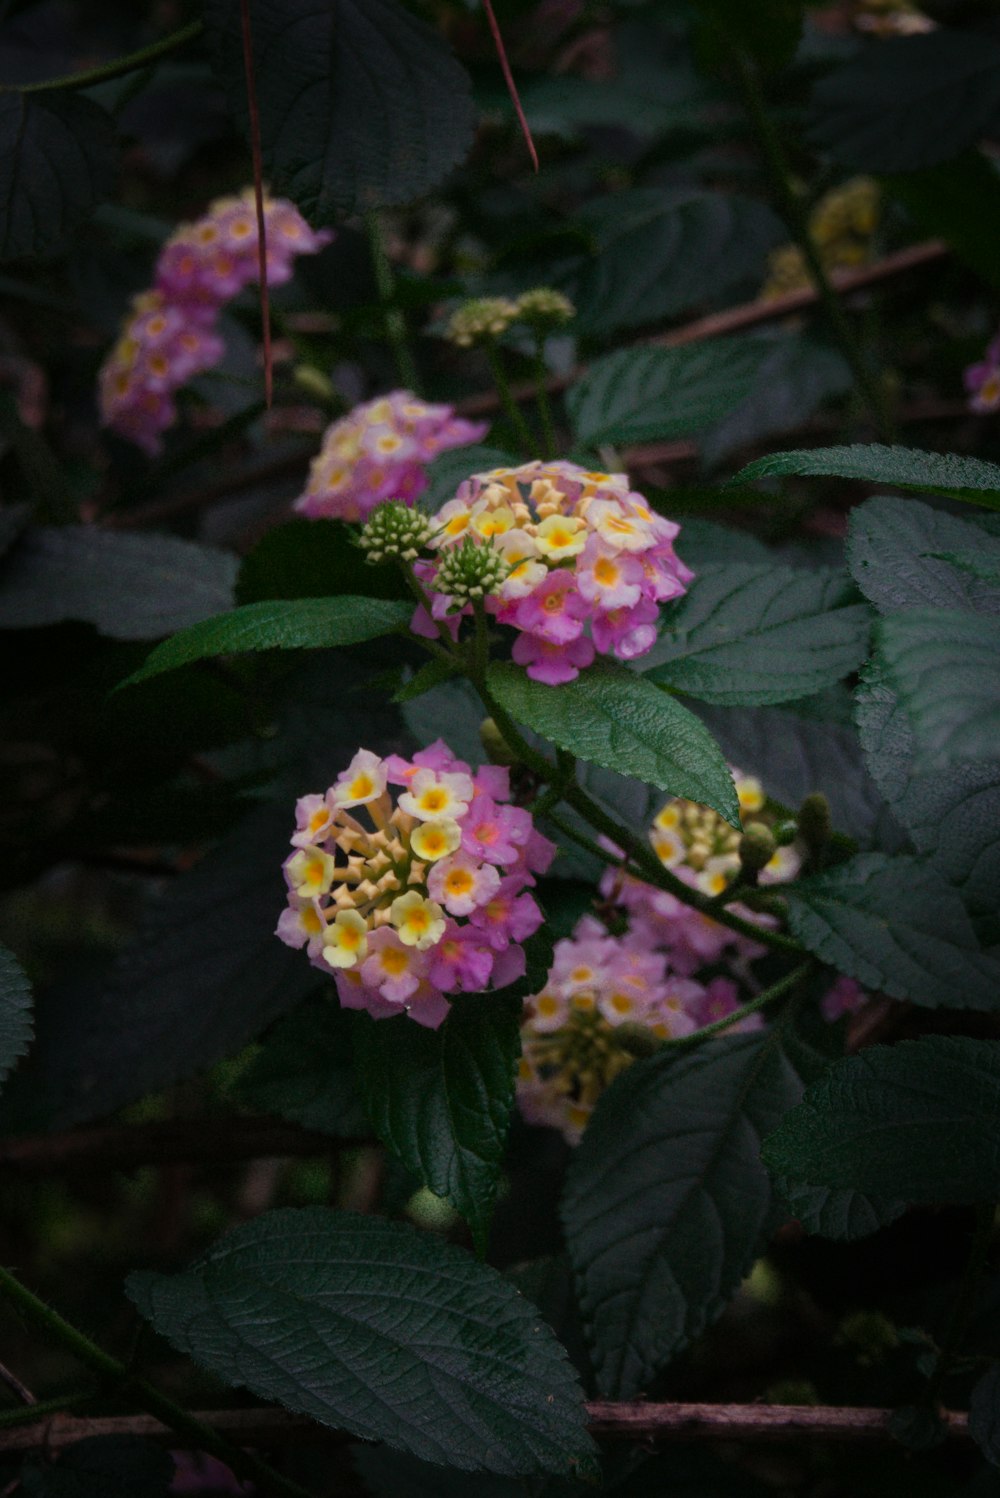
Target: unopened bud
[[495, 746], [543, 308], [481, 320], [314, 382], [757, 847], [470, 570], [785, 832], [394, 530], [815, 822]]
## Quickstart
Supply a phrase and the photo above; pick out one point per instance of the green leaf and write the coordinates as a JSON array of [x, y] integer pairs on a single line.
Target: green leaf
[[57, 161], [983, 562], [948, 474], [451, 468], [909, 102], [918, 1121], [15, 1011], [945, 665], [984, 1414], [952, 815], [296, 624], [362, 104], [431, 674], [644, 394], [667, 1203], [613, 718], [130, 587], [312, 559], [797, 375], [334, 1316], [959, 202], [304, 1071], [843, 1215], [745, 634], [660, 251], [896, 925], [441, 1099], [102, 1467], [894, 552]]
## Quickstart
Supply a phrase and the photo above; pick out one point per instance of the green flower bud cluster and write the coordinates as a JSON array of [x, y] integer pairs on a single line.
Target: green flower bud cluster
[[480, 320], [394, 530], [470, 571], [544, 308]]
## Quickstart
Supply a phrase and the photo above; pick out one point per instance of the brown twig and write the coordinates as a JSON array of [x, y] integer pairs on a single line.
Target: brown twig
[[13, 1383], [199, 1141], [630, 1422]]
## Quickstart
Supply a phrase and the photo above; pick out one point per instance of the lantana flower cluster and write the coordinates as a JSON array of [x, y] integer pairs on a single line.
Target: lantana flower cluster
[[169, 335], [407, 899], [587, 564], [380, 451], [982, 380], [842, 226], [614, 993]]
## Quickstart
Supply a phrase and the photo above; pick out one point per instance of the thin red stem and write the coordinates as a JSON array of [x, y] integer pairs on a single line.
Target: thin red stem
[[509, 80], [258, 193]]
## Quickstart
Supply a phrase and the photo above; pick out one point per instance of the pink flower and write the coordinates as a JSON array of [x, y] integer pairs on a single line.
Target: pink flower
[[555, 611], [552, 664]]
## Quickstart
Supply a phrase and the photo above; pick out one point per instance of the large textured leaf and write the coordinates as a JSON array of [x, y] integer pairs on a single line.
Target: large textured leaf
[[843, 1215], [958, 202], [909, 102], [893, 552], [615, 719], [369, 1326], [798, 374], [949, 474], [441, 1099], [15, 1011], [304, 1071], [130, 587], [102, 1467], [57, 161], [919, 1120], [895, 924], [952, 815], [667, 1202], [658, 252], [945, 666], [746, 634], [295, 624], [644, 394], [361, 103], [984, 1414]]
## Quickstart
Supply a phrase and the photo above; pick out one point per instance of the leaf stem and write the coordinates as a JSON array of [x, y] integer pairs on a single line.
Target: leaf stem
[[549, 446], [115, 68], [778, 990], [394, 321], [511, 409], [87, 1352], [975, 1267], [797, 223]]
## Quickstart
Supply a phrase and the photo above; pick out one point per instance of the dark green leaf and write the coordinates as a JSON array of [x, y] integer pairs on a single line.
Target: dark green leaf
[[13, 520], [843, 1215], [703, 543], [304, 1071], [895, 924], [645, 394], [451, 468], [430, 675], [296, 624], [361, 104], [613, 718], [797, 375], [894, 551], [919, 1121], [984, 1414], [441, 1099], [667, 1203], [983, 562], [312, 559], [945, 666], [334, 1315], [745, 634], [130, 587], [15, 1011], [909, 102], [952, 815], [57, 161], [659, 252], [958, 202], [949, 474], [769, 31], [103, 1467]]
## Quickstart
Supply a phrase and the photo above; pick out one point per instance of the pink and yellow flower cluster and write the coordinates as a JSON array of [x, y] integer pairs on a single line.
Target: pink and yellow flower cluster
[[405, 901], [169, 335], [982, 380], [671, 971], [589, 563], [380, 450]]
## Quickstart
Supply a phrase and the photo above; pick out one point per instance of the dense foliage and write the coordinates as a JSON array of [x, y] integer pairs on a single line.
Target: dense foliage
[[501, 798]]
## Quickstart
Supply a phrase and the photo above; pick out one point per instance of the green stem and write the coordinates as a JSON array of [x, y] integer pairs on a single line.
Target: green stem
[[447, 649], [514, 739], [480, 641], [511, 409], [777, 990], [797, 222], [116, 68], [975, 1267], [395, 322], [549, 447], [243, 1463], [656, 873], [27, 1414]]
